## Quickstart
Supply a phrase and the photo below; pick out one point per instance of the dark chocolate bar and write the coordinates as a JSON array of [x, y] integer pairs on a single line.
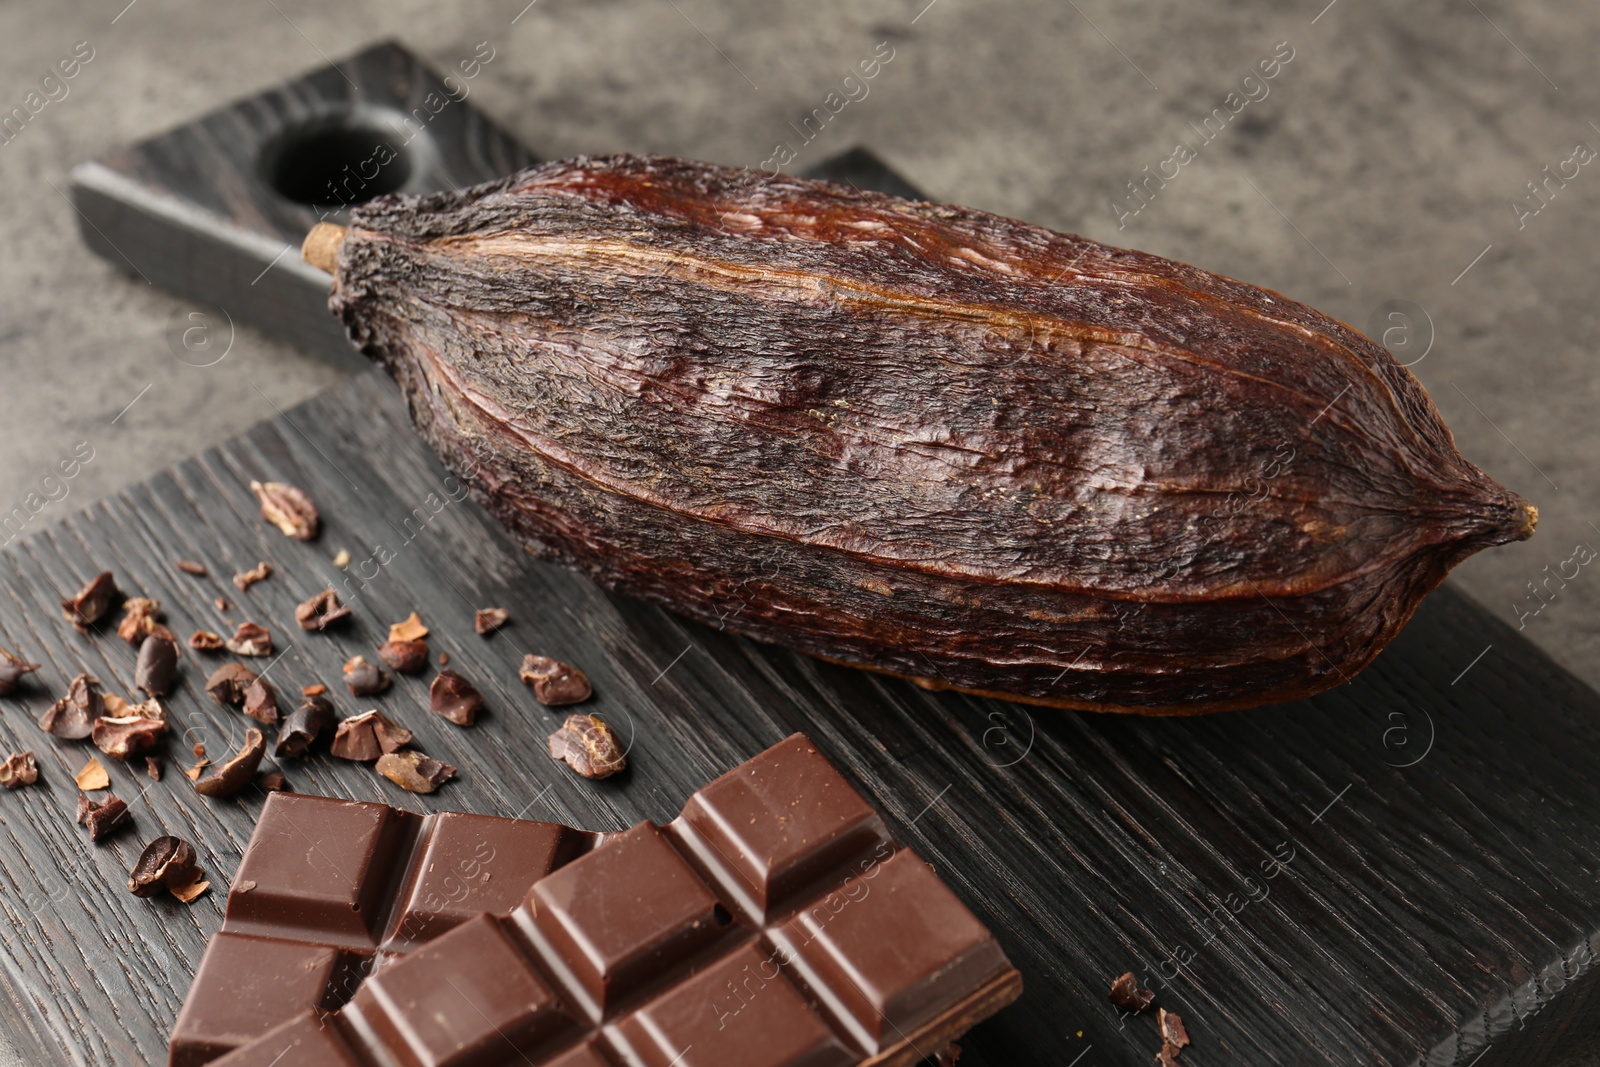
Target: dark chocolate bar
[[330, 889], [773, 924]]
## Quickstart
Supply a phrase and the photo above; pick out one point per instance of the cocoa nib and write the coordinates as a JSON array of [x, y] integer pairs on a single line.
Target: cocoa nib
[[12, 668], [1173, 1038], [272, 781], [363, 678], [555, 683], [236, 773], [488, 620], [206, 641], [948, 1057], [157, 668], [367, 736], [102, 819], [321, 611], [165, 863], [189, 566], [141, 617], [91, 603], [243, 580], [128, 735], [413, 771], [249, 639], [1126, 994], [455, 698], [230, 682], [589, 746], [407, 657], [313, 690], [261, 702], [409, 629], [302, 727], [287, 508], [152, 767], [19, 769], [72, 717]]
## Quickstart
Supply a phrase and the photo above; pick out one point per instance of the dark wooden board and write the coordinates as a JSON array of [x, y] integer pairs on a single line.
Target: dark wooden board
[[1429, 911]]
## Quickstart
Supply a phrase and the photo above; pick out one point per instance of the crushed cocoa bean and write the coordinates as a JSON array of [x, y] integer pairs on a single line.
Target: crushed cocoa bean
[[454, 698], [90, 604], [141, 617], [288, 508], [93, 776], [407, 657], [243, 580], [249, 639], [236, 773], [229, 683], [126, 736], [18, 770], [413, 771], [261, 702], [363, 678], [194, 567], [157, 668], [1126, 994], [487, 620], [152, 767], [302, 727], [321, 611], [166, 863], [365, 737], [589, 746], [72, 717], [272, 781], [409, 629], [12, 668], [554, 683], [206, 641], [102, 819]]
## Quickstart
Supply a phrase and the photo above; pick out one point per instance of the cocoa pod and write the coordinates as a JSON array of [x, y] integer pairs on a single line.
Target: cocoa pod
[[914, 437]]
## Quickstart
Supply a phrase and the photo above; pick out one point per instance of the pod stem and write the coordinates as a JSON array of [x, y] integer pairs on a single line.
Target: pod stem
[[321, 246]]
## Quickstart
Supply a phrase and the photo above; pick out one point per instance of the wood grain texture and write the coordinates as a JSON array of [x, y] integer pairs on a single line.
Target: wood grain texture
[[1428, 912]]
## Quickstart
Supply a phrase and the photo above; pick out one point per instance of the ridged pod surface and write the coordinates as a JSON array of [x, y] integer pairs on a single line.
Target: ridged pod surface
[[918, 438]]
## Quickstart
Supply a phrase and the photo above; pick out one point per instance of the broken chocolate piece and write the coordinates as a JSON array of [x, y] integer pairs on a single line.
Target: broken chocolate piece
[[236, 773], [554, 683], [261, 702], [206, 641], [230, 682], [487, 620], [367, 736], [157, 667], [363, 678], [243, 580], [166, 863], [454, 698], [18, 770], [407, 657], [102, 819], [12, 668], [72, 717], [321, 611], [589, 747], [1126, 994], [302, 727], [249, 639], [288, 508], [413, 771], [91, 603]]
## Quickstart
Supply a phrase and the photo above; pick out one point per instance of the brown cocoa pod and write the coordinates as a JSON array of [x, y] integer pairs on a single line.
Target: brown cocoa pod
[[915, 437]]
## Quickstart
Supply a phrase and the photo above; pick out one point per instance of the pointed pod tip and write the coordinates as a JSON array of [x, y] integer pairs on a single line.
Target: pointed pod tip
[[1530, 520], [321, 246]]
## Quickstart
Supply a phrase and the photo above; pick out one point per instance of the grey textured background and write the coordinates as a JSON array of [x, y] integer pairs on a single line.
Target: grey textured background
[[1381, 165]]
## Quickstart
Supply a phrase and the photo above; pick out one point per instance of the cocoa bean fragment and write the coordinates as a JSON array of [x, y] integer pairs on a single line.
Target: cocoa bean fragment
[[90, 604], [413, 771], [152, 767], [243, 580], [487, 620], [313, 690], [302, 727], [249, 639], [968, 462], [454, 698], [407, 657], [365, 737], [207, 641], [363, 678], [321, 611], [272, 781], [166, 863], [157, 666], [102, 819], [127, 735], [236, 773], [554, 683], [72, 717], [92, 776], [1127, 995], [288, 508], [18, 770], [229, 683], [12, 668], [589, 746], [261, 702], [411, 629], [1173, 1038], [141, 617], [189, 566]]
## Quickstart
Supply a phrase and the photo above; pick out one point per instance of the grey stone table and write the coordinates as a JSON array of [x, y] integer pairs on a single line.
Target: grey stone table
[[1382, 174]]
